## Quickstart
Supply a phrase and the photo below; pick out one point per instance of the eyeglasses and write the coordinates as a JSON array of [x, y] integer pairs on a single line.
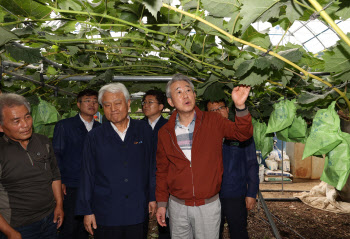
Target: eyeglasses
[[218, 109], [148, 102], [89, 101]]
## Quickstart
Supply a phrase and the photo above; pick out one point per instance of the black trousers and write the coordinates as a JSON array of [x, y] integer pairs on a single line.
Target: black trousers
[[120, 232], [235, 212], [73, 226]]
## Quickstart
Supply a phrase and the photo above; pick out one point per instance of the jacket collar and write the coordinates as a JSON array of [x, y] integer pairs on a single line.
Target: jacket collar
[[80, 124], [170, 126], [110, 132]]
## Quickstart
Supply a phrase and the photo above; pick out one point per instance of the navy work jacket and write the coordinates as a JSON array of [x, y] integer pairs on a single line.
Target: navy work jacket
[[68, 143], [157, 127], [117, 178], [240, 177]]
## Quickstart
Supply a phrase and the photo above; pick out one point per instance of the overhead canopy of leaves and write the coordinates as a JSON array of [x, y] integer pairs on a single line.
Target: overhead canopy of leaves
[[144, 38]]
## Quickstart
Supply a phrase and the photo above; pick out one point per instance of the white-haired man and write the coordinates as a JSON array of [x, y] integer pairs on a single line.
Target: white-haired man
[[30, 182], [117, 185], [189, 160]]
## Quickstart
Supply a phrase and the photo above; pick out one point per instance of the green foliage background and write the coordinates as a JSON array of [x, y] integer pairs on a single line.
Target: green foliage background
[[44, 32]]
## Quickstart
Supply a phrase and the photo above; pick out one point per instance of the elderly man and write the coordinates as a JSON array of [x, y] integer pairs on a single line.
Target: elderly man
[[30, 184], [240, 180], [117, 185], [189, 160], [68, 142]]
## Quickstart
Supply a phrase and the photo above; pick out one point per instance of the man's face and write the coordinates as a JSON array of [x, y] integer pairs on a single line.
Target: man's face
[[151, 106], [218, 107], [115, 106], [182, 96], [17, 123], [88, 105]]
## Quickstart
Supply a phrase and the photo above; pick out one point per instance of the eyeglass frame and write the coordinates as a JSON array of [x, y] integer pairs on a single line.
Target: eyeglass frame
[[149, 102], [219, 108], [89, 101]]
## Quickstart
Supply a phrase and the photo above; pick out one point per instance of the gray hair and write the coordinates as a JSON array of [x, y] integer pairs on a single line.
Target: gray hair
[[113, 88], [178, 77], [11, 100]]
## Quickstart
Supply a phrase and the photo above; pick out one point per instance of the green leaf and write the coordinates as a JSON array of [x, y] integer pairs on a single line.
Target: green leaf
[[254, 79], [294, 11], [309, 97], [69, 5], [51, 71], [284, 76], [72, 50], [26, 8], [69, 26], [294, 55], [220, 8], [202, 87], [233, 25], [6, 36], [214, 20], [244, 68], [253, 9], [337, 60], [153, 6], [214, 92], [253, 36], [344, 10], [29, 55], [262, 63]]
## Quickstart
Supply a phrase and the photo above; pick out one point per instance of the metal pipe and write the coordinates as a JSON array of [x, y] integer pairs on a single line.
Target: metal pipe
[[17, 76], [269, 217], [282, 200], [277, 190], [116, 78]]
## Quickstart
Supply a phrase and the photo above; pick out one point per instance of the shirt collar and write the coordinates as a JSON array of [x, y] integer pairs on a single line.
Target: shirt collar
[[116, 129], [153, 124], [178, 124]]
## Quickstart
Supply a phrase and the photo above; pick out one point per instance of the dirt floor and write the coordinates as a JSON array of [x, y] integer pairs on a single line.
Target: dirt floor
[[293, 219]]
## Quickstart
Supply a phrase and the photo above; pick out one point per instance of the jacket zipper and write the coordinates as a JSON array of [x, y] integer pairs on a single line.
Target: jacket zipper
[[187, 159], [191, 161], [30, 158]]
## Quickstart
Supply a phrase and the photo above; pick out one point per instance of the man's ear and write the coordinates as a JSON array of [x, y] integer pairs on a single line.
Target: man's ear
[[1, 129], [160, 107], [129, 102], [79, 104], [170, 102]]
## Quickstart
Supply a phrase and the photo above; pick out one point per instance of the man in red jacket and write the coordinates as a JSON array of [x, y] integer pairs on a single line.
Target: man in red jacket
[[189, 160]]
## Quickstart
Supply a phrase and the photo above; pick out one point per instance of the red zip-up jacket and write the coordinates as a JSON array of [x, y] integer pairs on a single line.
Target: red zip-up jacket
[[198, 179]]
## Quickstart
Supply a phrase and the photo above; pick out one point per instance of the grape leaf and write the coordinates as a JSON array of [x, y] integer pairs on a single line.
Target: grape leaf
[[220, 8], [254, 79], [6, 36], [244, 68], [153, 6], [253, 9], [337, 60]]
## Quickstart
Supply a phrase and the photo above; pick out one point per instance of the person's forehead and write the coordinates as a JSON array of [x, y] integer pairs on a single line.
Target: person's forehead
[[109, 96], [89, 96], [150, 97], [215, 104], [14, 112], [180, 84]]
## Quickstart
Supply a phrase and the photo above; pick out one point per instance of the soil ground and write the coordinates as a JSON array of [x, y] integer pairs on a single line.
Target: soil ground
[[293, 219]]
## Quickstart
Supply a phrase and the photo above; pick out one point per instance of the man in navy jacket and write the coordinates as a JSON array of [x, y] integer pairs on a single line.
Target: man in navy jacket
[[153, 103], [68, 142], [117, 186], [240, 180]]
